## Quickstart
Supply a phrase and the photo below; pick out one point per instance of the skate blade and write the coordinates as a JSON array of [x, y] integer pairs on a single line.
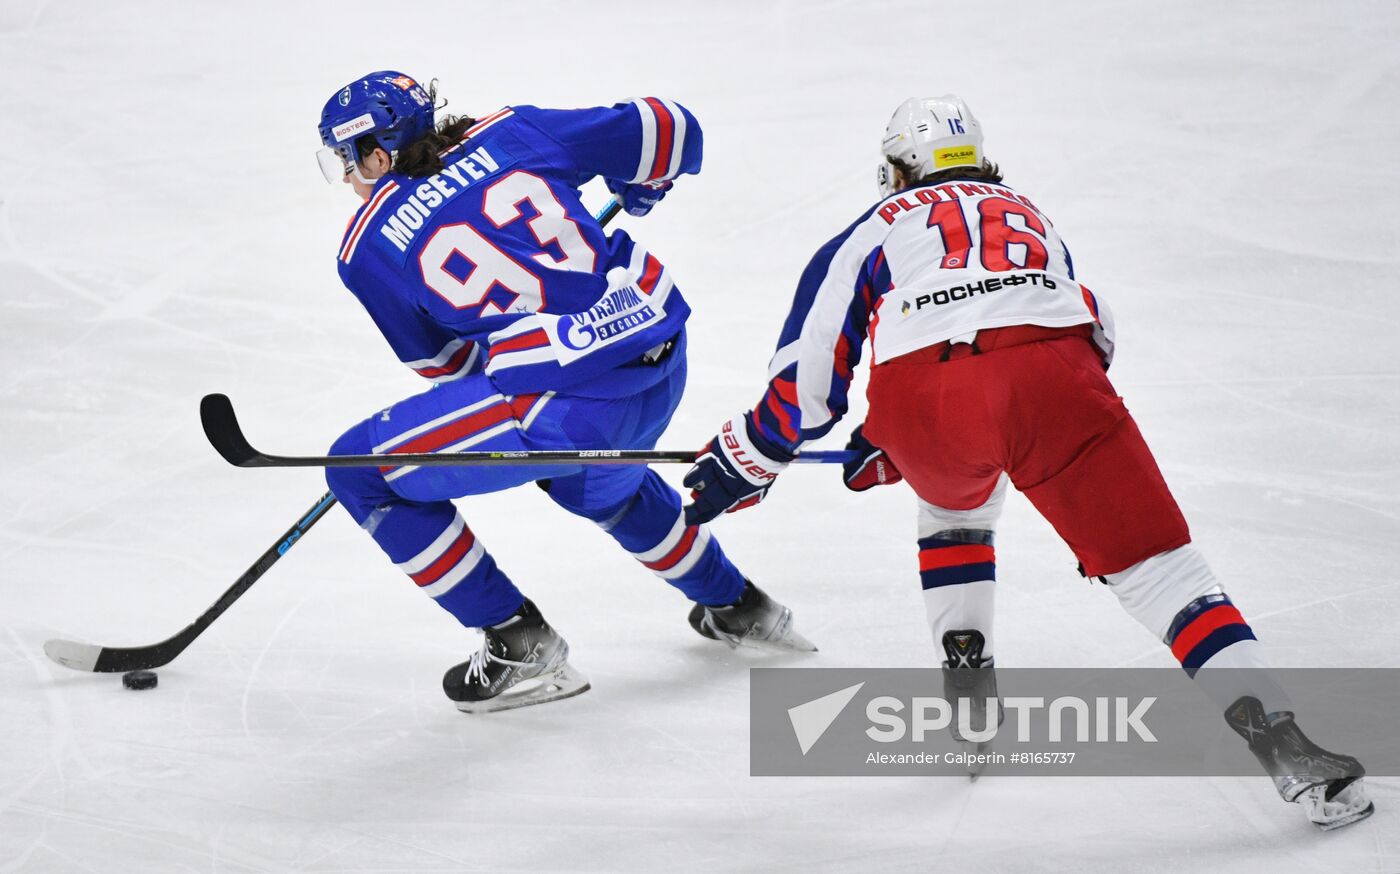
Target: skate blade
[[975, 768], [1346, 820], [784, 638], [1343, 810], [789, 642], [562, 682]]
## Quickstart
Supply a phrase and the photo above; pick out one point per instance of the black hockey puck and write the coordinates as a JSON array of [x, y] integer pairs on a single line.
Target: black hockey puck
[[140, 679]]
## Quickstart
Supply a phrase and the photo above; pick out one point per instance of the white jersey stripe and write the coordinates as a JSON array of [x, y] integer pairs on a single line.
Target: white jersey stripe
[[434, 550], [638, 264], [783, 358], [538, 355], [677, 140], [523, 325], [438, 422], [458, 573], [535, 410], [663, 287], [464, 369], [648, 140], [684, 566], [489, 121], [352, 240], [667, 543], [821, 330], [478, 437], [441, 358]]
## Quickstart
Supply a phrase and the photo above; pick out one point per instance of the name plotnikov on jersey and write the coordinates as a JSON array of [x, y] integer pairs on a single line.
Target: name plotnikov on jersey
[[912, 200], [433, 192]]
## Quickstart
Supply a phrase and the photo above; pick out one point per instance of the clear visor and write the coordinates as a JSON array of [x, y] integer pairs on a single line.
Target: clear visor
[[335, 163]]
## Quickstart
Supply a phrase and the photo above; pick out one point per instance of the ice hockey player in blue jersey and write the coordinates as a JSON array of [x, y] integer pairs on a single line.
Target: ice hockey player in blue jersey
[[477, 261]]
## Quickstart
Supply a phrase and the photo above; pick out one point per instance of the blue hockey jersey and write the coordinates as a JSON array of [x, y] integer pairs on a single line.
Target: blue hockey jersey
[[494, 264]]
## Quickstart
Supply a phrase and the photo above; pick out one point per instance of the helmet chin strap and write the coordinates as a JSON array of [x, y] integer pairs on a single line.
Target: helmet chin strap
[[884, 178], [360, 177]]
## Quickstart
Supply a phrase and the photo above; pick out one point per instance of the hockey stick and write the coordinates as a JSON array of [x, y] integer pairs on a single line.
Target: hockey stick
[[106, 659], [608, 212], [222, 428], [109, 659]]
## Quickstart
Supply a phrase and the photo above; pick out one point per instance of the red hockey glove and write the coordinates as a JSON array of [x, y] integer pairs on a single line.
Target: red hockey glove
[[733, 472], [871, 467]]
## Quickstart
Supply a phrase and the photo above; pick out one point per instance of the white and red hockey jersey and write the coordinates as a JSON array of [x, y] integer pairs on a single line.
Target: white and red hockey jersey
[[925, 265]]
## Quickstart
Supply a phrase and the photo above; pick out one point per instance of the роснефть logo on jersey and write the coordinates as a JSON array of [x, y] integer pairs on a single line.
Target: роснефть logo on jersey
[[963, 292]]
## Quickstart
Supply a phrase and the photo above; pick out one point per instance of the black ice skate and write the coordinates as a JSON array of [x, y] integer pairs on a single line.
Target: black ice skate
[[969, 678], [754, 620], [521, 662], [1327, 785]]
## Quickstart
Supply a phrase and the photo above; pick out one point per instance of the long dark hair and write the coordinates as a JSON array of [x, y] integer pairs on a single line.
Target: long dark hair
[[988, 172], [423, 157]]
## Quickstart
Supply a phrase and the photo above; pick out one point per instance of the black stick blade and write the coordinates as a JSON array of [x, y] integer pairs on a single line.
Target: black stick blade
[[221, 427]]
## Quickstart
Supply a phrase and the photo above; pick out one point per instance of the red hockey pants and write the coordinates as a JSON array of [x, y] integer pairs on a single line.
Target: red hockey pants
[[1033, 402]]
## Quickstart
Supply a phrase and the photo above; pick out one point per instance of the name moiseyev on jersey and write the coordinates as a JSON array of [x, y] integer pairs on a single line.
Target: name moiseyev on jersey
[[513, 275], [925, 265]]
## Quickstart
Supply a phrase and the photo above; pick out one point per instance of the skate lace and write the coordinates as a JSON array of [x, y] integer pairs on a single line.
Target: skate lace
[[481, 660], [708, 622]]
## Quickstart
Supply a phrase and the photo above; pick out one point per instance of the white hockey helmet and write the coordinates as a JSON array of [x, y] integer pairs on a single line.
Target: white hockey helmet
[[927, 135]]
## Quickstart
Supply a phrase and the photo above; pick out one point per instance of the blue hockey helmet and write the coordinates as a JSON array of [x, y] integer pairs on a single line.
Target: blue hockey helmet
[[389, 105]]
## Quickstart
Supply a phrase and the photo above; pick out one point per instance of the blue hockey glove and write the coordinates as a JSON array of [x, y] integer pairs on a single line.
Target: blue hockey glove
[[638, 199], [733, 472], [871, 467]]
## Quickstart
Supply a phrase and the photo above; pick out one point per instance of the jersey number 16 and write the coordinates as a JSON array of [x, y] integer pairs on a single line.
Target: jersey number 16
[[997, 236]]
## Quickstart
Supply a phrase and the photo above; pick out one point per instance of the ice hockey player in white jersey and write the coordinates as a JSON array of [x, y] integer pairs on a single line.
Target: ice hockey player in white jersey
[[989, 366]]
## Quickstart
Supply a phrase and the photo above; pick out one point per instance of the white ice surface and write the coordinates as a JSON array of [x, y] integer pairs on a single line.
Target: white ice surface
[[1225, 174]]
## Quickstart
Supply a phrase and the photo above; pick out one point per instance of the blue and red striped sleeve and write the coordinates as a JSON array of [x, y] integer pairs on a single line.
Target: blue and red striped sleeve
[[820, 345], [647, 139]]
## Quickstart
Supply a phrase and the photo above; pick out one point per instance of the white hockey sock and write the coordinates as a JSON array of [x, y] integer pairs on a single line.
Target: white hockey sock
[[1225, 687], [962, 607], [957, 567], [1177, 597]]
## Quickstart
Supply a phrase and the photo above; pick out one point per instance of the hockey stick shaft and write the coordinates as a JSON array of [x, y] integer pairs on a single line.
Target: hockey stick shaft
[[109, 659], [224, 433], [608, 212]]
